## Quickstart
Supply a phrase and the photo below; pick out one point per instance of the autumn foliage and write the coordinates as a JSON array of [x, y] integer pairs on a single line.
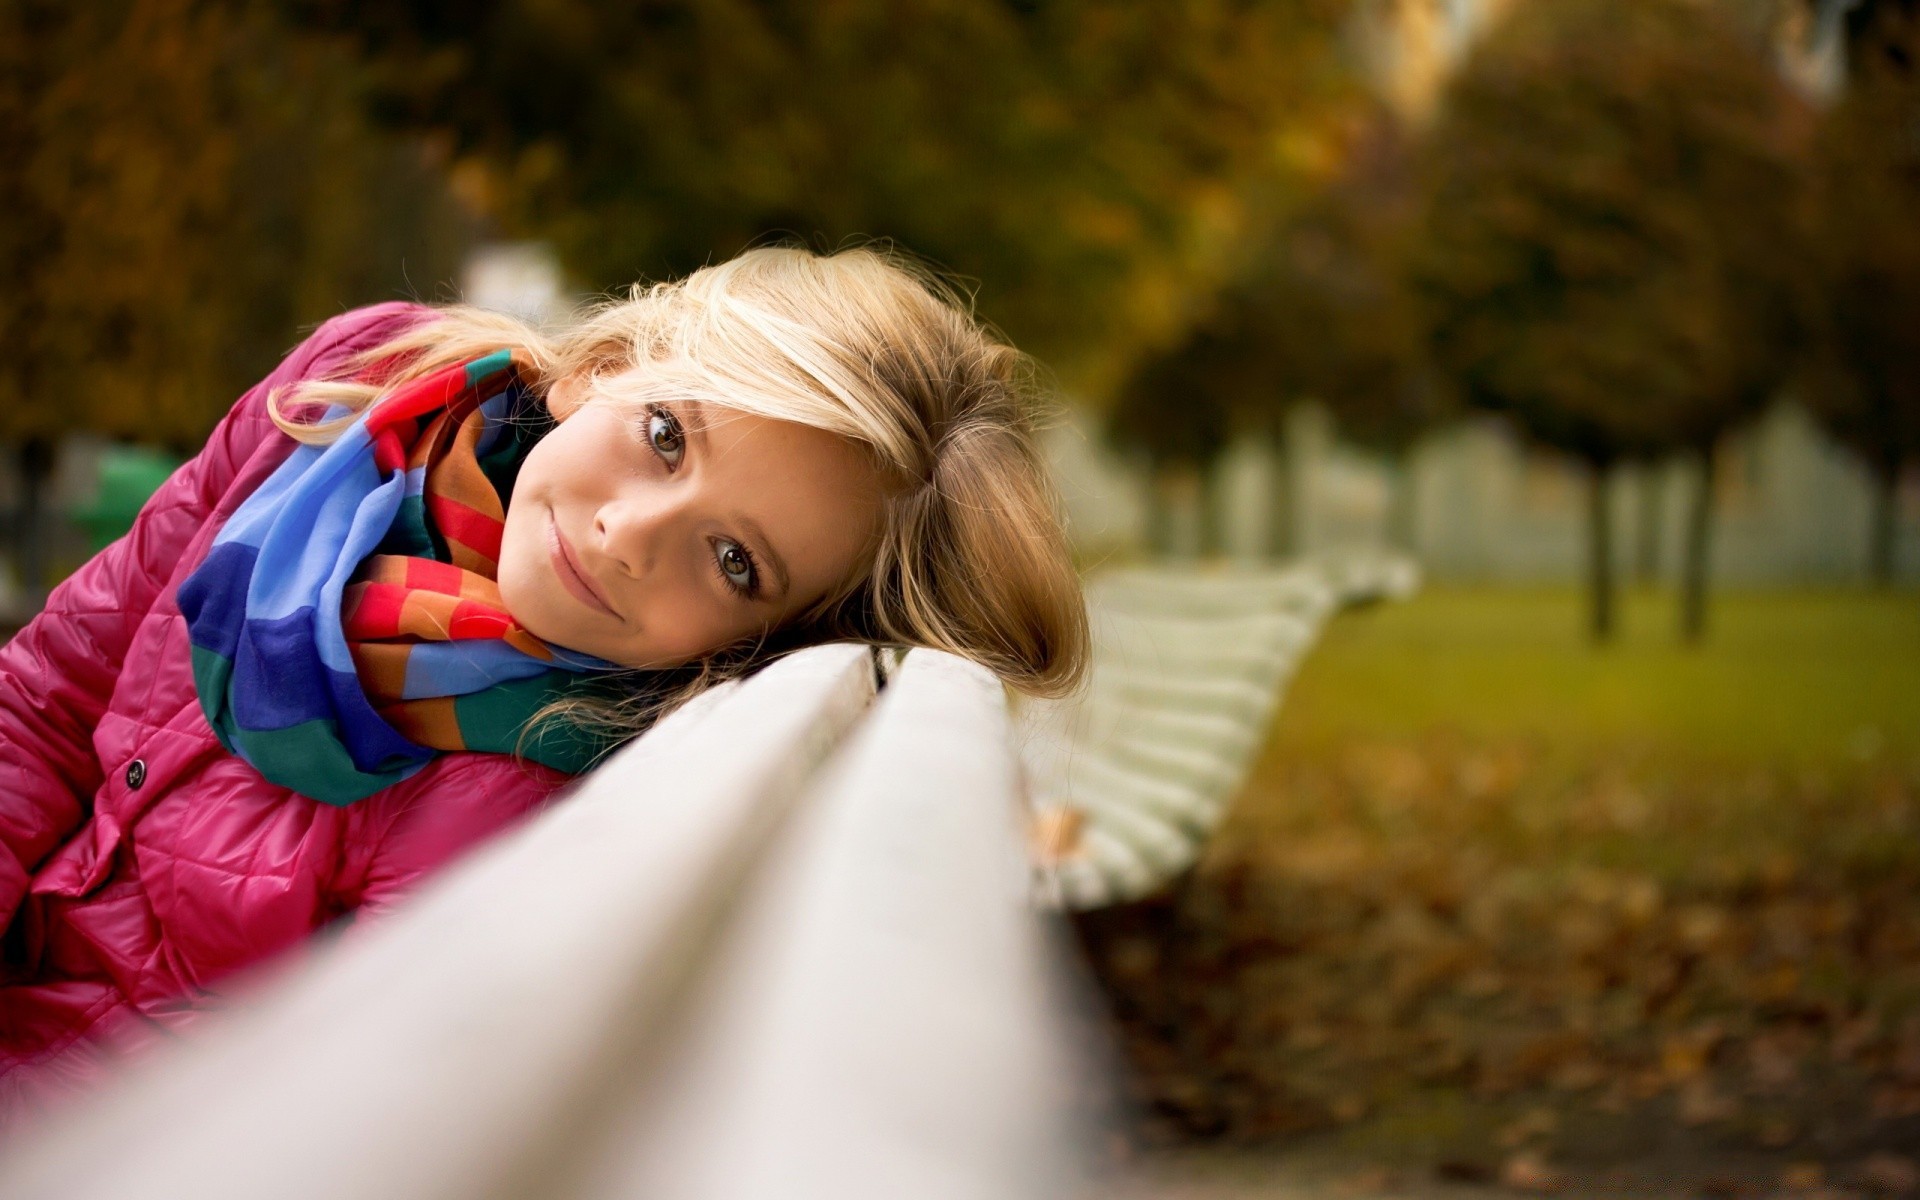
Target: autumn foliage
[[1614, 252], [187, 185], [1865, 381]]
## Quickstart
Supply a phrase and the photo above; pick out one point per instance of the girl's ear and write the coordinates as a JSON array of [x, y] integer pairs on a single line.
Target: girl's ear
[[566, 396]]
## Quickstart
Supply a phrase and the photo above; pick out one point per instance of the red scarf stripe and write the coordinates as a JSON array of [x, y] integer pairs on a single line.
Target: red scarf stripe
[[388, 452], [431, 576], [461, 525], [372, 610], [384, 611], [469, 620], [422, 396]]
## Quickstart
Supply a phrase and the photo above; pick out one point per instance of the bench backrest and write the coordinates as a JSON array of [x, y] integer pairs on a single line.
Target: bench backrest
[[1130, 779]]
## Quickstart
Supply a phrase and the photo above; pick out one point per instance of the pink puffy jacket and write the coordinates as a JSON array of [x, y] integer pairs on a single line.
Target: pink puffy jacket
[[140, 863]]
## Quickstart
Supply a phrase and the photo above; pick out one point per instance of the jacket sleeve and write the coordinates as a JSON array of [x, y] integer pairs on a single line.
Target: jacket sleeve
[[57, 674], [422, 824]]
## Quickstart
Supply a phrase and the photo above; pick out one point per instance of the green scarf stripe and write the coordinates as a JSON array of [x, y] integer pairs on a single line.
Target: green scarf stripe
[[314, 751], [410, 535], [557, 743]]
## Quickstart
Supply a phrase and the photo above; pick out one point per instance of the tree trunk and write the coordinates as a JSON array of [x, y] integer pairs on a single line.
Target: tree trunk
[[1647, 545], [1599, 552], [1693, 586], [1279, 502], [1886, 512], [1180, 500], [1213, 507], [36, 467], [1402, 518]]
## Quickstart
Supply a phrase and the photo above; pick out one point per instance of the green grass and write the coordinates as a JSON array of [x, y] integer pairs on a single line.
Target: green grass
[[1782, 678]]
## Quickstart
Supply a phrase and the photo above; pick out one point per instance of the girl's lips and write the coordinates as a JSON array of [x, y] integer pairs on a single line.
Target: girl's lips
[[568, 569]]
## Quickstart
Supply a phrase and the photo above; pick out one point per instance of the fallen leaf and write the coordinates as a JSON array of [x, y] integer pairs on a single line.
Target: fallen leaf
[[1055, 834], [1531, 1173], [1683, 1057]]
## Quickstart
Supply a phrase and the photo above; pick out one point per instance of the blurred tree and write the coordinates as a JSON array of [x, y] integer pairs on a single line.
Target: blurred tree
[[1090, 163], [186, 184], [1330, 307], [1866, 381], [1611, 250], [1177, 410], [1320, 310]]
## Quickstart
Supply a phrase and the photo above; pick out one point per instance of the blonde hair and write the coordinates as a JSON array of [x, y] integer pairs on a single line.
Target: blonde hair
[[865, 343]]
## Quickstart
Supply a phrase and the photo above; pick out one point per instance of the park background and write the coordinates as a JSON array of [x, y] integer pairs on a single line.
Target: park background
[[1592, 865]]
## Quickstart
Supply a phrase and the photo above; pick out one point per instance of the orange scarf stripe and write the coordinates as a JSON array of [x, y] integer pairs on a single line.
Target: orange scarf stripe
[[453, 470], [382, 667], [430, 722], [527, 644], [481, 590]]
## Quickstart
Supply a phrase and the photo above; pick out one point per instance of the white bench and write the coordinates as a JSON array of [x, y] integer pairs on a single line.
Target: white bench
[[782, 946]]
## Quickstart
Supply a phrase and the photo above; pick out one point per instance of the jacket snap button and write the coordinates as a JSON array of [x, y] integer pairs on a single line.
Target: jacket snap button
[[136, 773]]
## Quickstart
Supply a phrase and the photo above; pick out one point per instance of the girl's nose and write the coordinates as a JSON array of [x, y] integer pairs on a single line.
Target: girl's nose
[[628, 534]]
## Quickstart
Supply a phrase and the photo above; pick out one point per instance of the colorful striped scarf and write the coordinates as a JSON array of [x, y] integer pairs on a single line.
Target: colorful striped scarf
[[346, 625]]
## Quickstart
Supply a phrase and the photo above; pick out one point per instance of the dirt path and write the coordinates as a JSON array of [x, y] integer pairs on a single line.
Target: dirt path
[[1320, 1170]]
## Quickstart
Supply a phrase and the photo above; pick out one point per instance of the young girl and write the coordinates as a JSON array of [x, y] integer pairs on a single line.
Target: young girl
[[437, 562]]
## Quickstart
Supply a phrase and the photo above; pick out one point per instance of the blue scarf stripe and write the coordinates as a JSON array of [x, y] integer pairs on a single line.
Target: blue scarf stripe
[[278, 679], [439, 668], [322, 512], [217, 616], [367, 525]]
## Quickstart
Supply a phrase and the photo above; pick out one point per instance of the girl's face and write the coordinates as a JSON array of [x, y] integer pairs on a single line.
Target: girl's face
[[653, 538]]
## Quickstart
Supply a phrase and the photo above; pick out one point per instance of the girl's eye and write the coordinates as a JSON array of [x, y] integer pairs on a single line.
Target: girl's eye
[[736, 566], [665, 436]]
